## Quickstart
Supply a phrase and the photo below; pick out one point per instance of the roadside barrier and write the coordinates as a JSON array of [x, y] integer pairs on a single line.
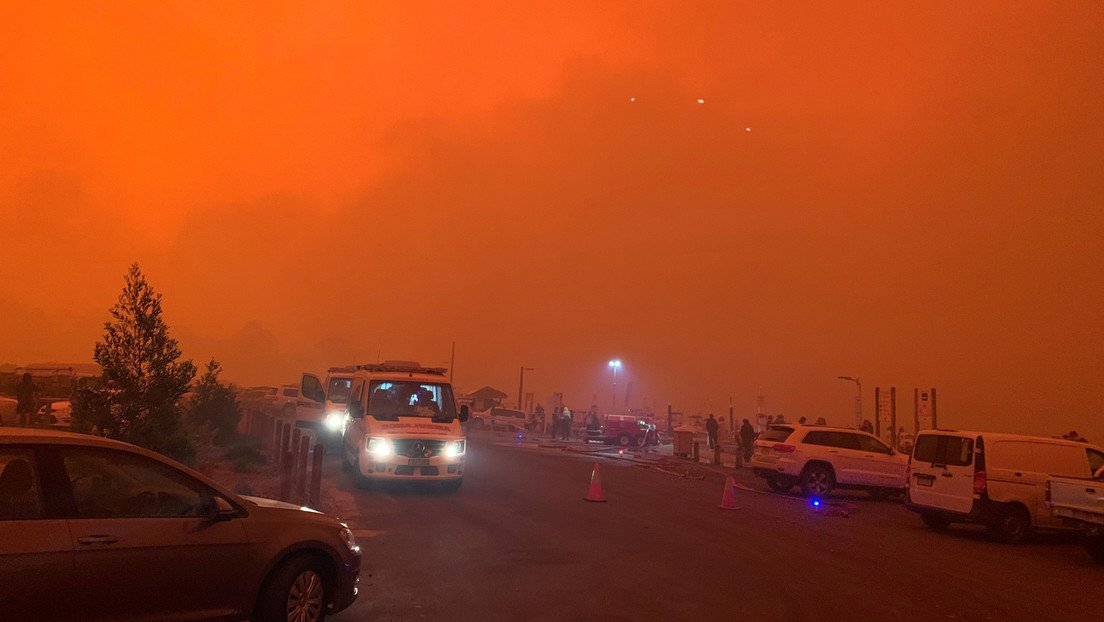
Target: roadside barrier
[[595, 492]]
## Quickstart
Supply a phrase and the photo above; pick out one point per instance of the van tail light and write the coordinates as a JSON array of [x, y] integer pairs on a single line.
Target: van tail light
[[980, 484], [784, 449]]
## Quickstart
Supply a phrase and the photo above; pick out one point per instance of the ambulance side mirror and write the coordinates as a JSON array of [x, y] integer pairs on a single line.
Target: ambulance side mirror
[[464, 413]]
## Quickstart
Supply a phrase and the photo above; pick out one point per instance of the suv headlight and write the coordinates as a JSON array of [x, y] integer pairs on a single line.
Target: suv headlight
[[346, 536], [454, 448], [380, 447]]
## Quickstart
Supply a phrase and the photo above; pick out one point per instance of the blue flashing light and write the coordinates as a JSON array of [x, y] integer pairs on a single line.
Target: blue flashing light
[[520, 435], [816, 503]]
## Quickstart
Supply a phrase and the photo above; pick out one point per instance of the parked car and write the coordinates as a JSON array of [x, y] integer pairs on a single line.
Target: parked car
[[1080, 503], [623, 430], [821, 459], [95, 529], [499, 418], [997, 480]]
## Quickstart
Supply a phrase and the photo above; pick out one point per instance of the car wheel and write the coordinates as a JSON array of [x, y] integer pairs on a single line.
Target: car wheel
[[935, 521], [452, 485], [780, 484], [817, 480], [1012, 525], [624, 440], [294, 591]]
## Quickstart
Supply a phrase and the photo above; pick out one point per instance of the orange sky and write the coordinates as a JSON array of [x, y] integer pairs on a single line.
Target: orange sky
[[918, 200]]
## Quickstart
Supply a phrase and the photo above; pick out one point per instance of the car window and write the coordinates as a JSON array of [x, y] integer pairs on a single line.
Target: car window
[[115, 484], [844, 440], [869, 443], [20, 491], [959, 451], [817, 437], [1096, 460], [291, 392], [776, 434], [924, 450]]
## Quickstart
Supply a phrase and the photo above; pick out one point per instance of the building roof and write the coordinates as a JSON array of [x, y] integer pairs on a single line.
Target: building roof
[[488, 392]]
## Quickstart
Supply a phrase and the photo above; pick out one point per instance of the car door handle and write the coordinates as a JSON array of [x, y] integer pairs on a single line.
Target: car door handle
[[1018, 474], [946, 474], [97, 539], [1091, 491]]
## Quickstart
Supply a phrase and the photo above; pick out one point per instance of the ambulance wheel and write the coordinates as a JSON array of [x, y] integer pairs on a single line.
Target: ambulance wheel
[[624, 440]]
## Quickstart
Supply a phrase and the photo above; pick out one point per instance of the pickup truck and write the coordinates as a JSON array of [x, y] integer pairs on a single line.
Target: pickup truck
[[1080, 502]]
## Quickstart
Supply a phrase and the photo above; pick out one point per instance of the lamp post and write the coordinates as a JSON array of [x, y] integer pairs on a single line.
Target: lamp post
[[858, 399], [615, 364], [521, 387]]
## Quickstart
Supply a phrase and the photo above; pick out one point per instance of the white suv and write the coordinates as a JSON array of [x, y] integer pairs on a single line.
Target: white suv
[[820, 459]]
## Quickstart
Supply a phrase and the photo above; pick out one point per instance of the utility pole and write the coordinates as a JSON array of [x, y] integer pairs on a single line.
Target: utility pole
[[858, 399], [521, 387], [452, 361]]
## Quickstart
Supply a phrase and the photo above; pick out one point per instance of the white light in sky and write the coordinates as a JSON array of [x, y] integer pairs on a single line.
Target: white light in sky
[[632, 99], [701, 101]]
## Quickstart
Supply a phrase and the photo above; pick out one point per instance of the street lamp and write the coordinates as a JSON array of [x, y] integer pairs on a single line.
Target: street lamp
[[521, 387], [858, 399], [615, 364]]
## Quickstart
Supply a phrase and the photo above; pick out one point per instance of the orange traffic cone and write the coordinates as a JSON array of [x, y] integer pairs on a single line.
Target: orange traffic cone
[[728, 499], [595, 492]]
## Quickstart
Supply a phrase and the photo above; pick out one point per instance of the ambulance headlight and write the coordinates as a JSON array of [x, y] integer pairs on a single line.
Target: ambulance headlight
[[334, 421], [380, 447], [454, 448]]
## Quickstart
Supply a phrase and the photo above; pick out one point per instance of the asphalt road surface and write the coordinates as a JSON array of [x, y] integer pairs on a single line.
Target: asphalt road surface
[[518, 542]]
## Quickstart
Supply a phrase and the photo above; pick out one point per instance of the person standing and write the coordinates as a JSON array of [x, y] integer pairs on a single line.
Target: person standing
[[711, 428], [26, 397], [565, 424], [556, 422], [747, 439]]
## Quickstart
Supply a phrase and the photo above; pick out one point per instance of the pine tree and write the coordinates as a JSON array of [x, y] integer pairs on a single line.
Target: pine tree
[[214, 404], [136, 399]]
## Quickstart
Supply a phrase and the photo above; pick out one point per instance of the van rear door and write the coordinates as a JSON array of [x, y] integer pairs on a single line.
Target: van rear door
[[942, 472]]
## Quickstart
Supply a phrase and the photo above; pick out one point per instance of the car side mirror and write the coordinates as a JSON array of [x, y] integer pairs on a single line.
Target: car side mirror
[[219, 509], [464, 413], [355, 411]]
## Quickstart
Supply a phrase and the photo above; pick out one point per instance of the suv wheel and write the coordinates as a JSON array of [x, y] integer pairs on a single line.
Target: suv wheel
[[624, 440], [294, 591], [1011, 525], [935, 521], [817, 480]]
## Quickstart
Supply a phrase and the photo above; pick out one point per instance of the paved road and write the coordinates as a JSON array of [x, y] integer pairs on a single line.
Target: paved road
[[519, 543]]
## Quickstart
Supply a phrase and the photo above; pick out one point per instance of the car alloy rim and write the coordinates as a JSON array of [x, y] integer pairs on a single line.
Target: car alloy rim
[[819, 481], [304, 603]]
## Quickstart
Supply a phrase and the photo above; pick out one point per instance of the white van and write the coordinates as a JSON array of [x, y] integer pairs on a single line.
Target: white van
[[402, 423], [997, 480]]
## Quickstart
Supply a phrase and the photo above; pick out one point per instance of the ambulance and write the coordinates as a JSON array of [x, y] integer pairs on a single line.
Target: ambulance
[[402, 424]]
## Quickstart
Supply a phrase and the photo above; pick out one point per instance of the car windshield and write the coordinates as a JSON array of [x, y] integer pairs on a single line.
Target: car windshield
[[391, 400], [338, 391]]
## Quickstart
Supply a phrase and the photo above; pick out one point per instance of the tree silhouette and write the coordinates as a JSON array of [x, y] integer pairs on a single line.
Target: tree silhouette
[[137, 397]]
